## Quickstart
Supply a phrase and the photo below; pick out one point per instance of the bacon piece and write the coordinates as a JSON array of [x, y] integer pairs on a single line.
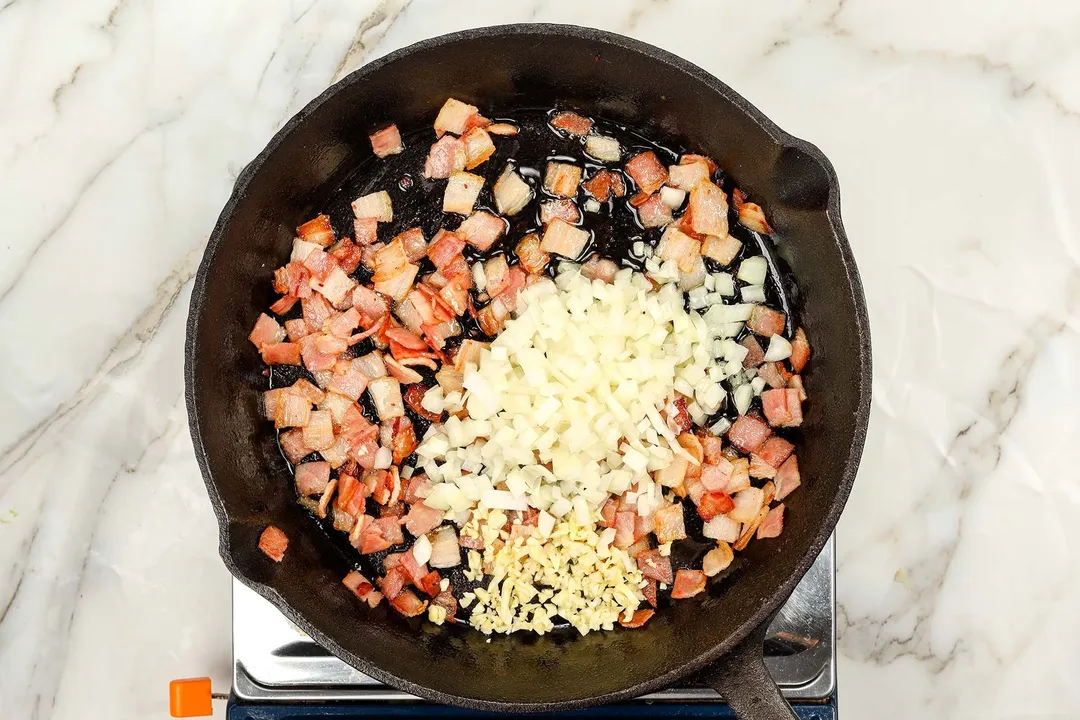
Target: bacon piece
[[429, 584], [721, 249], [715, 477], [448, 602], [366, 230], [481, 229], [292, 444], [283, 304], [775, 451], [766, 322], [283, 353], [708, 209], [685, 176], [423, 519], [602, 184], [713, 504], [413, 397], [783, 408], [773, 524], [492, 316], [362, 588], [564, 239], [444, 248], [653, 212], [562, 179], [386, 142], [755, 355], [293, 279], [502, 129], [571, 122], [476, 120], [647, 172], [562, 209], [347, 254], [530, 256], [318, 231], [624, 528], [649, 591], [669, 523], [348, 380], [748, 433], [655, 566], [414, 570], [413, 243], [267, 331], [408, 604], [688, 583], [478, 147], [639, 618], [800, 351], [453, 117], [598, 268], [273, 543], [787, 478], [446, 155], [312, 477], [750, 214], [393, 583], [404, 441], [713, 447], [319, 430]]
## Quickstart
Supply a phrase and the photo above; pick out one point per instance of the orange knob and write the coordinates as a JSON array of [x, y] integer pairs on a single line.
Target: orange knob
[[190, 697]]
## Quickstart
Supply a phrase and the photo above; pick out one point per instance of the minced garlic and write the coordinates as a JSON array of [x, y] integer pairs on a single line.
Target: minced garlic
[[571, 573]]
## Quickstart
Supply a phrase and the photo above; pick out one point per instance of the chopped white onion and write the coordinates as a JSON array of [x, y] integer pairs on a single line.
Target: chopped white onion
[[421, 550], [384, 458], [672, 197], [743, 396], [753, 270], [753, 293], [779, 349], [603, 148]]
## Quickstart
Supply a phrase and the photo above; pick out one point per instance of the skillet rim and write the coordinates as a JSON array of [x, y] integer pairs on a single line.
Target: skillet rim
[[862, 385]]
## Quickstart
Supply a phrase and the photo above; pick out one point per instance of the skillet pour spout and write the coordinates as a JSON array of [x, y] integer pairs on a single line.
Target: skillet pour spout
[[502, 68]]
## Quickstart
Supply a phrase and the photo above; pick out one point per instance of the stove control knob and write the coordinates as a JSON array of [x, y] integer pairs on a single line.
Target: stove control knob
[[191, 697]]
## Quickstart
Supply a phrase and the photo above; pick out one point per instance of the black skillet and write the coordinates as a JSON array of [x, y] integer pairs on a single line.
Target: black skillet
[[607, 76]]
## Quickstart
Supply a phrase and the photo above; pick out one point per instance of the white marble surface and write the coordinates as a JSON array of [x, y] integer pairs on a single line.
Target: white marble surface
[[954, 127]]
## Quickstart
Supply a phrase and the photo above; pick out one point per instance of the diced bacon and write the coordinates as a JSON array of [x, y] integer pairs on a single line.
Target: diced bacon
[[643, 526], [655, 566], [649, 591], [393, 583], [775, 451], [755, 355], [639, 199], [669, 523], [800, 351], [716, 476], [680, 247], [374, 205], [319, 431], [512, 193], [444, 247], [564, 239], [429, 584], [478, 147], [316, 312], [400, 372], [773, 524], [770, 373], [598, 268], [562, 179], [270, 401], [624, 528], [342, 324], [713, 447], [688, 583], [414, 570], [470, 542], [453, 117], [796, 383], [447, 154], [639, 618], [406, 339], [686, 175], [386, 142], [653, 212], [607, 513], [349, 382], [708, 209], [783, 408], [497, 273], [787, 478], [348, 255], [312, 477], [713, 504], [766, 322], [273, 543], [492, 316], [408, 604], [502, 129], [423, 519], [761, 469], [386, 394], [476, 120], [571, 122], [284, 353], [717, 559], [417, 488], [404, 440], [748, 433], [750, 214], [647, 172], [447, 602], [695, 489], [283, 304], [292, 279], [318, 231], [351, 495], [563, 209], [398, 286], [740, 475], [413, 243], [481, 229], [292, 444], [530, 256], [461, 192], [366, 230], [296, 329], [455, 295], [362, 588], [336, 287], [371, 305], [267, 331], [691, 158], [721, 249], [314, 359]]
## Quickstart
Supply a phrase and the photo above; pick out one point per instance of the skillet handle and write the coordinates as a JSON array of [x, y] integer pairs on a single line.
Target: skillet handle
[[742, 679]]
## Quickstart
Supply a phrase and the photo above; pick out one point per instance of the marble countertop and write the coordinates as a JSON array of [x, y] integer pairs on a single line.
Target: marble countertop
[[954, 127]]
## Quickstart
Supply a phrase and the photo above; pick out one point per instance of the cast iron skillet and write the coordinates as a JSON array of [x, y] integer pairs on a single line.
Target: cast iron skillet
[[604, 75]]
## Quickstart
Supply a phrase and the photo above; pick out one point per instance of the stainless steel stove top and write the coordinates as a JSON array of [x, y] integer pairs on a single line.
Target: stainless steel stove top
[[274, 661]]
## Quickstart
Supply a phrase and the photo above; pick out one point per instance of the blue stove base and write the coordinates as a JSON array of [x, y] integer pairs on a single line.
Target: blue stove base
[[367, 711]]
